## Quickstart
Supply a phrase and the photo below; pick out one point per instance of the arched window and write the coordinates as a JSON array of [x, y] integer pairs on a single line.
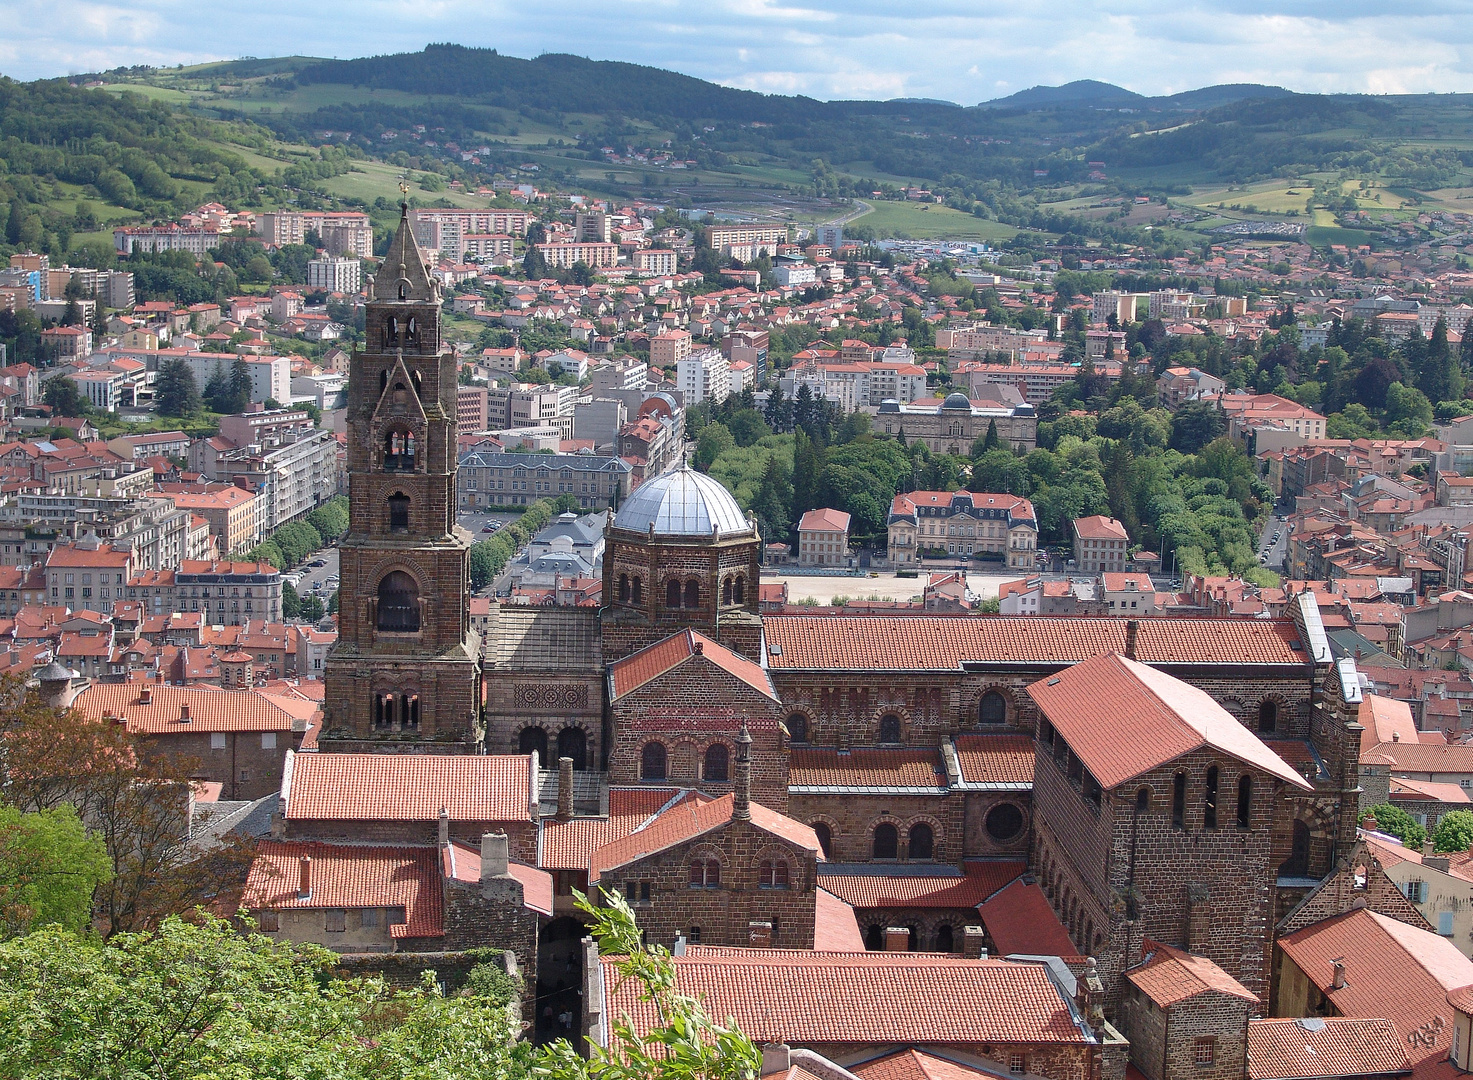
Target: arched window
[[1004, 822], [533, 740], [716, 763], [383, 378], [1268, 716], [1179, 801], [798, 728], [1209, 799], [922, 843], [409, 709], [672, 594], [887, 841], [1245, 801], [874, 938], [945, 941], [411, 333], [399, 449], [398, 512], [739, 590], [623, 588], [398, 603], [572, 743], [913, 936], [692, 593], [1143, 800], [889, 728], [652, 761], [1297, 864], [726, 590], [773, 874], [636, 591], [705, 874], [825, 839], [383, 709], [993, 708]]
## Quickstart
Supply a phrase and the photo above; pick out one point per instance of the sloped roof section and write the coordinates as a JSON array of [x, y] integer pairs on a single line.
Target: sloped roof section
[[1123, 718], [637, 669], [1168, 976], [409, 787], [403, 274], [1331, 1046], [351, 876]]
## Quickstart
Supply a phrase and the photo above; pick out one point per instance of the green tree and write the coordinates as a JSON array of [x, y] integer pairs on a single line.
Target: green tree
[[175, 392], [312, 609], [1454, 831], [291, 603], [1408, 412], [713, 440], [747, 426], [66, 398], [1441, 376], [1397, 822], [50, 866], [482, 567], [1194, 425], [991, 442]]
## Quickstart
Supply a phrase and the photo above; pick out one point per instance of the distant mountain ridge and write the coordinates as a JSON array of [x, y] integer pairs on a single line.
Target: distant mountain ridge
[[1091, 93]]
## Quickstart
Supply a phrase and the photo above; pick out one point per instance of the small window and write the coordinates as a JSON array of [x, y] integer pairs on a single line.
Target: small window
[[672, 594], [825, 839], [337, 920], [1179, 801], [922, 842], [1268, 717], [623, 588], [636, 591], [368, 918], [1003, 822], [886, 841], [1245, 801], [705, 874], [1204, 1051], [398, 512], [1445, 923], [1017, 1064], [773, 875], [694, 936], [798, 728], [692, 593], [1209, 799], [268, 740], [716, 769], [993, 708], [890, 728], [217, 740], [1143, 800], [945, 939], [652, 761]]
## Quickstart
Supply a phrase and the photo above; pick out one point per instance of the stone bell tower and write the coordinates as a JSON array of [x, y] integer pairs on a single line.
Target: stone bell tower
[[405, 673]]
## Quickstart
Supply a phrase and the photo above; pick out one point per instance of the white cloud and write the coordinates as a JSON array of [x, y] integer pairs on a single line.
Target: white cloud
[[954, 49]]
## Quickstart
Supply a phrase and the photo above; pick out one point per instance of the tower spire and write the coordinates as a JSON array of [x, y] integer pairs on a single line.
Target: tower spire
[[741, 796]]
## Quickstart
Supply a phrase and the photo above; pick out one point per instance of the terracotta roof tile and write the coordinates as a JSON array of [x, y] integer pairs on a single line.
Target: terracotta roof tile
[[569, 845], [1333, 1046], [351, 876], [995, 759], [405, 787], [834, 926], [1123, 718], [1021, 922], [946, 642], [865, 998], [1423, 757], [867, 890], [913, 1064], [867, 768], [1168, 976], [1392, 970], [632, 672], [463, 863], [209, 709]]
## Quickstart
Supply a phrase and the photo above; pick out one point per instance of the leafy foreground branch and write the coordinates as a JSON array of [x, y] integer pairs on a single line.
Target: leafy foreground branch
[[196, 998]]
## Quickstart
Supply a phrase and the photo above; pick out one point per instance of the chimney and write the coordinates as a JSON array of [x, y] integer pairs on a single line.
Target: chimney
[[697, 646], [1132, 627], [184, 712], [1338, 981], [759, 934], [145, 696], [972, 943], [897, 939], [776, 1058], [442, 835], [564, 788], [741, 795], [1427, 848], [304, 878], [493, 856], [1368, 823]]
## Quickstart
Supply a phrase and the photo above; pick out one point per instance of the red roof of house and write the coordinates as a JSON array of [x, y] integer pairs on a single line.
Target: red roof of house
[[1123, 718], [995, 759], [825, 520], [1021, 922], [408, 787], [1100, 527], [980, 881], [913, 1064], [946, 642], [351, 876], [1168, 976], [463, 863], [569, 845], [632, 672], [867, 767], [210, 709], [1392, 970], [1331, 1046], [864, 998], [834, 926]]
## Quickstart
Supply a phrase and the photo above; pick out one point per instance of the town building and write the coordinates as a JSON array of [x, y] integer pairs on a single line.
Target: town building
[[335, 274], [823, 538], [497, 478], [963, 523], [952, 425], [703, 376], [1100, 545]]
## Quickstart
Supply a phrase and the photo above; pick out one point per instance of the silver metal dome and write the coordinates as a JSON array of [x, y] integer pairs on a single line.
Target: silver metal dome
[[682, 502], [956, 400]]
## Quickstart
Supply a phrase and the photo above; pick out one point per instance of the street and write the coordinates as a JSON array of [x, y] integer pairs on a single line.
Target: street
[[1274, 542]]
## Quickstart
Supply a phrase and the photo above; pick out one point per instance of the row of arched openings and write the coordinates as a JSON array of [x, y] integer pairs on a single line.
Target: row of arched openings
[[391, 709], [571, 743], [943, 940], [921, 842], [654, 763], [631, 589], [678, 596]]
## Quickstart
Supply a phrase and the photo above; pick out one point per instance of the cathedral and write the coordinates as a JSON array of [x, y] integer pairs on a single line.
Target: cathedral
[[931, 759]]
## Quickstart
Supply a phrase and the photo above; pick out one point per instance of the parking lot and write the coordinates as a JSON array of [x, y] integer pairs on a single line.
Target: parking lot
[[475, 522]]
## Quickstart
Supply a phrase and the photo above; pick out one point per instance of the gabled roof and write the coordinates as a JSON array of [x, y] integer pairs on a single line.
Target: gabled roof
[[462, 862], [892, 770], [942, 890], [569, 845], [913, 1064], [1123, 718], [210, 710], [637, 669], [1021, 922], [1331, 1046], [1168, 976], [403, 262], [865, 998], [405, 787], [351, 876]]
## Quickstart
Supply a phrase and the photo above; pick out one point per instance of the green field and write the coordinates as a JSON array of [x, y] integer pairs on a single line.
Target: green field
[[928, 221], [1325, 235], [370, 180]]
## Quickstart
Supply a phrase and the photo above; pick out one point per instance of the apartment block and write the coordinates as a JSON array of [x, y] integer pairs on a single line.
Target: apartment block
[[335, 273], [704, 376]]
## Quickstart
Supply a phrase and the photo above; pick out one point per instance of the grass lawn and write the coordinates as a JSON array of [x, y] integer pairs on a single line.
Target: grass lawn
[[1325, 235], [370, 180], [929, 221]]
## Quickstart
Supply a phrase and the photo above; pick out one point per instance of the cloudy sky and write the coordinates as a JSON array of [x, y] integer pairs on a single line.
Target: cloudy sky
[[961, 50]]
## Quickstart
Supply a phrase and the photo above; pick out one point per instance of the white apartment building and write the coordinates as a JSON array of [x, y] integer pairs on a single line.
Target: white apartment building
[[795, 275], [165, 238], [704, 376], [335, 274]]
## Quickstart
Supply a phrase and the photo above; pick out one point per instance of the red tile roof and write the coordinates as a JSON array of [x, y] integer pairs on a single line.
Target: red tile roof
[[1021, 923], [834, 926], [1392, 970], [463, 863], [995, 759], [906, 768], [209, 709], [351, 876], [632, 672], [980, 881], [569, 845], [864, 998], [1123, 718], [913, 1064], [946, 642], [405, 787], [1100, 527], [826, 520], [1332, 1046], [1168, 976], [688, 819]]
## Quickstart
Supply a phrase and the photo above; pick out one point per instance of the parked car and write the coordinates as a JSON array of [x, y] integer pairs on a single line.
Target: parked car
[[488, 528]]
